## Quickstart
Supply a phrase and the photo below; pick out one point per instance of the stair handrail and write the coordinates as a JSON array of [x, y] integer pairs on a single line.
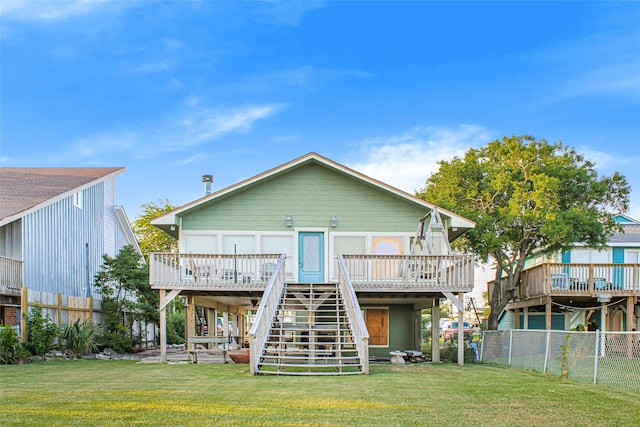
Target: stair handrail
[[358, 325], [266, 312]]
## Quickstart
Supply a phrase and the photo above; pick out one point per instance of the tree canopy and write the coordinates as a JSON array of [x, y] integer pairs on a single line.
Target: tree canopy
[[151, 238], [525, 195]]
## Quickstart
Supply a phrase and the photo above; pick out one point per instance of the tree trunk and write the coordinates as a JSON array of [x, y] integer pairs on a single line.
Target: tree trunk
[[500, 296]]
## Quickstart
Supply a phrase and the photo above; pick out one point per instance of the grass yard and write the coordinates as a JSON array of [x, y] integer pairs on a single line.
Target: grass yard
[[93, 392]]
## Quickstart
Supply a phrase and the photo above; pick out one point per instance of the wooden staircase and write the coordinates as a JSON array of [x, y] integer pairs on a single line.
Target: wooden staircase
[[310, 334]]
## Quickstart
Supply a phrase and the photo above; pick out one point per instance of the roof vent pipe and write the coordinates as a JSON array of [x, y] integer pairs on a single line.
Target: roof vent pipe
[[207, 180]]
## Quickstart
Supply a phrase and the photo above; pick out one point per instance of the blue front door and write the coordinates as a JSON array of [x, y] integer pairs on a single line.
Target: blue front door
[[311, 257], [618, 272]]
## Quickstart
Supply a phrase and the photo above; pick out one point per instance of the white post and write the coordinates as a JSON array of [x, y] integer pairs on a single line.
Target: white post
[[225, 324], [482, 347], [546, 353], [461, 332], [595, 360], [603, 327], [435, 331]]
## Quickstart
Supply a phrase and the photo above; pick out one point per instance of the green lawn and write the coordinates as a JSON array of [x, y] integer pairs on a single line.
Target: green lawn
[[92, 392]]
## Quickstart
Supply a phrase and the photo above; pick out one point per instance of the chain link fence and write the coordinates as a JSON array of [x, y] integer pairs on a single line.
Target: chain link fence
[[608, 358]]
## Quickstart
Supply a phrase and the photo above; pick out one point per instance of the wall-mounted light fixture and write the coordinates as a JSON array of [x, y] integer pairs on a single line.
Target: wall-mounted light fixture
[[334, 221], [288, 221]]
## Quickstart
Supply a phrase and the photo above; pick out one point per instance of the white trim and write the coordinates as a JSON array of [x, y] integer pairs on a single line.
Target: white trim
[[123, 220], [296, 249], [624, 245], [387, 308]]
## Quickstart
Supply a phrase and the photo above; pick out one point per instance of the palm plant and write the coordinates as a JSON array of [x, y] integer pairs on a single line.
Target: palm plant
[[77, 337]]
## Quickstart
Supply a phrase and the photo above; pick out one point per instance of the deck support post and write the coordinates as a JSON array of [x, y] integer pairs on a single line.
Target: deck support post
[[212, 326], [164, 301], [163, 328], [435, 331], [461, 331], [547, 314], [525, 313], [225, 324], [631, 315], [190, 320]]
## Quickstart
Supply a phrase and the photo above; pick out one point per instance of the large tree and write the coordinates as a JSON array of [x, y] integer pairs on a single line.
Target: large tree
[[526, 195], [151, 238]]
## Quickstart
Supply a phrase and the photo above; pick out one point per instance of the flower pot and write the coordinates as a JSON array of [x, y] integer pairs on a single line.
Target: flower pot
[[240, 356]]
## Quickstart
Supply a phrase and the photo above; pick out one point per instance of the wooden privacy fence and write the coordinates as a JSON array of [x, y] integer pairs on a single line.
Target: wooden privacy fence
[[63, 309]]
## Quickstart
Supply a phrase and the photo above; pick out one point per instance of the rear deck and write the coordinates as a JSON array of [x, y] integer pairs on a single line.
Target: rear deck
[[335, 339]]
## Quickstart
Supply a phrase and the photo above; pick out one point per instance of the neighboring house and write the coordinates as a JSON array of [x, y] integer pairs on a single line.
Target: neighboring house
[[55, 226], [581, 287], [327, 256]]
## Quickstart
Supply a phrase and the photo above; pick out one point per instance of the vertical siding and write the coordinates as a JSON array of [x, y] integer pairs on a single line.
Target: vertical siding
[[11, 240], [110, 222], [54, 245]]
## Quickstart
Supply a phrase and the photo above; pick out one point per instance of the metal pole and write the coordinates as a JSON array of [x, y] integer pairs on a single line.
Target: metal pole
[[546, 353], [595, 362], [603, 327]]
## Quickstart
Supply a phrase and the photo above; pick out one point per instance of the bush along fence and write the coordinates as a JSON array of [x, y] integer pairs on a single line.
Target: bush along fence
[[607, 358]]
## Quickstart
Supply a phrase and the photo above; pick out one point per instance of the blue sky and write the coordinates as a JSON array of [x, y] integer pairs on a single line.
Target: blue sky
[[174, 90]]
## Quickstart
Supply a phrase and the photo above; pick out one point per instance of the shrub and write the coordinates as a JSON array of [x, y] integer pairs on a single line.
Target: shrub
[[450, 351], [175, 328], [41, 332], [77, 337], [115, 341], [9, 345]]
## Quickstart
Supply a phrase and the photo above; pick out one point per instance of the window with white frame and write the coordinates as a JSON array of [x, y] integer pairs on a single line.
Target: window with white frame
[[78, 200]]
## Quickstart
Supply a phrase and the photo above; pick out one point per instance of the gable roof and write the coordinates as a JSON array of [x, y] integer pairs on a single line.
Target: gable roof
[[625, 219], [168, 221], [23, 190]]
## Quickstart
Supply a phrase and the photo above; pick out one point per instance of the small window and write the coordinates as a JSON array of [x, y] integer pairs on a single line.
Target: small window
[[77, 200]]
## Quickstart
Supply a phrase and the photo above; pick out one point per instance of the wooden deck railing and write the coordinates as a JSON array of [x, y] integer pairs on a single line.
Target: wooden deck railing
[[436, 273], [367, 272], [580, 279], [204, 271], [265, 314], [11, 280], [358, 326]]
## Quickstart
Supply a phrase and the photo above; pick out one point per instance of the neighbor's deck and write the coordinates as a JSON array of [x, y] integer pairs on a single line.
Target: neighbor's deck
[[579, 280], [368, 273], [11, 280]]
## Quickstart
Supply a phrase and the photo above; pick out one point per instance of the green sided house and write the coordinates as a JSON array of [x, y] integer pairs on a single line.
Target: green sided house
[[325, 266]]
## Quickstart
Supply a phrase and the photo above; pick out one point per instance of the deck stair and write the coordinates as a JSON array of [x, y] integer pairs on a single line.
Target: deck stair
[[310, 334]]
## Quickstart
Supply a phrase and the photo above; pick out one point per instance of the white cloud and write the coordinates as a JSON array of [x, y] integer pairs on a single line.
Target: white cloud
[[37, 10], [178, 135], [289, 13], [606, 161], [406, 161], [210, 124], [309, 77], [192, 159], [605, 63]]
